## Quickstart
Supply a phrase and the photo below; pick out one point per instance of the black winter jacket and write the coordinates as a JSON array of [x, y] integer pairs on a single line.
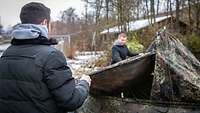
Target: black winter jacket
[[35, 78], [120, 52]]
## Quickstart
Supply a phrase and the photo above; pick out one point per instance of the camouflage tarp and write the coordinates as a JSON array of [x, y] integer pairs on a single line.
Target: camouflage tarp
[[175, 85], [177, 71]]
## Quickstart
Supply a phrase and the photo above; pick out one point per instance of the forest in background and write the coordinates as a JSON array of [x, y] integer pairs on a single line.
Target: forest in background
[[85, 30], [104, 14]]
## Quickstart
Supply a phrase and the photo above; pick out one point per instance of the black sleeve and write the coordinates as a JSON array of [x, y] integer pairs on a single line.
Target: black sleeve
[[61, 84], [115, 55]]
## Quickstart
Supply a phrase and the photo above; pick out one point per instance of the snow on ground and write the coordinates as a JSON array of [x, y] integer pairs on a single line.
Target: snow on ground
[[3, 47], [82, 62]]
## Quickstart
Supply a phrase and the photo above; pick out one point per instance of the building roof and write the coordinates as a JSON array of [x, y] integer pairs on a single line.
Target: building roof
[[135, 25]]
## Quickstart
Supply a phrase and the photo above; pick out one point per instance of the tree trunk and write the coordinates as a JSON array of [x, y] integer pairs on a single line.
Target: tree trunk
[[189, 12], [168, 2], [197, 15], [107, 15], [177, 14], [158, 5], [152, 11], [147, 9], [86, 10], [138, 9]]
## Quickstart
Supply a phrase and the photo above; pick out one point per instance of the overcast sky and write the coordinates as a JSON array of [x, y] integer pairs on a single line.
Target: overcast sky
[[10, 9]]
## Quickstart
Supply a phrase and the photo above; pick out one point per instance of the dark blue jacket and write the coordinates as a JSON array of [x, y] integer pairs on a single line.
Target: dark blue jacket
[[120, 52], [35, 78]]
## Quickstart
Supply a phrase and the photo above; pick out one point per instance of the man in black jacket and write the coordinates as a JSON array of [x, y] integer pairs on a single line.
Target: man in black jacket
[[34, 77], [120, 50]]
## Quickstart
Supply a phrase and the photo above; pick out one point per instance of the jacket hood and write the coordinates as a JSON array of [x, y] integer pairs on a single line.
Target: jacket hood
[[29, 31]]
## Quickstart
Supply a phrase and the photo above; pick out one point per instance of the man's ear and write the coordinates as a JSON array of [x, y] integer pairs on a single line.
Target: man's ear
[[45, 22]]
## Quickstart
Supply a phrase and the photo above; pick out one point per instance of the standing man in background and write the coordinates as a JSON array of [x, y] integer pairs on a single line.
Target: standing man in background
[[34, 77], [119, 49]]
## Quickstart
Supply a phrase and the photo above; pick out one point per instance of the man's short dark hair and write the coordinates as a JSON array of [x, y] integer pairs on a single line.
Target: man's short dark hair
[[122, 33], [34, 13]]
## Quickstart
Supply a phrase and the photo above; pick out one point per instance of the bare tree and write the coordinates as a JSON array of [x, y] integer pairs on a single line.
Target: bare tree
[[189, 12], [158, 6], [1, 29], [147, 8], [138, 9], [177, 14], [86, 11], [69, 16], [98, 8], [152, 7], [197, 13]]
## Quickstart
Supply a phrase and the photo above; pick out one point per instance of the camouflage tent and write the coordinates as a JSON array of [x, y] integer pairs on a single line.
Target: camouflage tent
[[173, 85], [177, 71]]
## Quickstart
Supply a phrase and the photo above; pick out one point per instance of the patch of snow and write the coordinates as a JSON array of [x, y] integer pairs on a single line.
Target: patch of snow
[[3, 47], [82, 59], [135, 25]]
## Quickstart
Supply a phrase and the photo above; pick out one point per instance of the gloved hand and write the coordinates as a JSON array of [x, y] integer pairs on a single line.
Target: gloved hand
[[86, 78]]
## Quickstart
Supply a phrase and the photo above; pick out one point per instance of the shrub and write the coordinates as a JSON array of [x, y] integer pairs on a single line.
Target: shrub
[[134, 45], [194, 43]]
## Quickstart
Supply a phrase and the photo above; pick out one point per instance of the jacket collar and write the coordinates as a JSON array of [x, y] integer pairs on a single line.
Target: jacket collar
[[37, 41]]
